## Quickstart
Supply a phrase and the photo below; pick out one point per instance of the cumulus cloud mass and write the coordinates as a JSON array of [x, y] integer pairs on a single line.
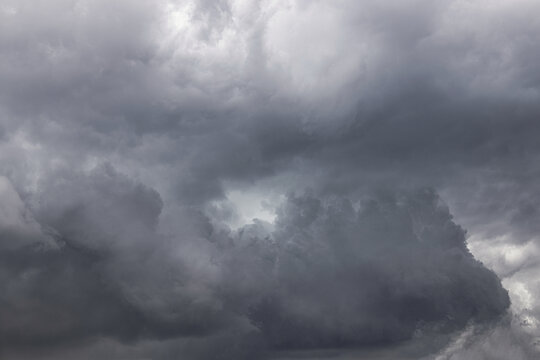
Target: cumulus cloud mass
[[297, 179]]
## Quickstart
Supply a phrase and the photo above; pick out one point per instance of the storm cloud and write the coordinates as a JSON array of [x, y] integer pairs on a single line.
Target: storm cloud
[[245, 179]]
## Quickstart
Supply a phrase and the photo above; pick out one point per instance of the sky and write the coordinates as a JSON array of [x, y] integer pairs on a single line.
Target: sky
[[292, 179]]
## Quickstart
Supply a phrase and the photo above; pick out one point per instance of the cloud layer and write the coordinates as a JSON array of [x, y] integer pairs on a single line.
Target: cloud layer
[[136, 140], [324, 275]]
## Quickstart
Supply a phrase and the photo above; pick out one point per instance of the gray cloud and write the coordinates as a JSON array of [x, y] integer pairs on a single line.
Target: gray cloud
[[331, 276], [125, 128], [324, 276]]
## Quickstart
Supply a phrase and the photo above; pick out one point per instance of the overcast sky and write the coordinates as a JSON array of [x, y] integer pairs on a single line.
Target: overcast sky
[[292, 179]]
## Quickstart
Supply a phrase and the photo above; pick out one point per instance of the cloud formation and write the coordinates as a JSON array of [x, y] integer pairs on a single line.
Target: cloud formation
[[126, 129], [324, 275], [331, 276]]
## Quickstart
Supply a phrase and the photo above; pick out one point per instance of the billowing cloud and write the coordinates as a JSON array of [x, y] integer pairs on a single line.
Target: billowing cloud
[[328, 273], [137, 139], [331, 276]]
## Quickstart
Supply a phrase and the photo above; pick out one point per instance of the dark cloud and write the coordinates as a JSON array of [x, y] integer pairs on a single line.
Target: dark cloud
[[332, 276], [126, 129], [105, 273], [52, 297], [324, 276]]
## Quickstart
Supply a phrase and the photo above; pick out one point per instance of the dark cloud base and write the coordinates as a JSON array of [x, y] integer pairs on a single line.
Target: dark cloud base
[[329, 273]]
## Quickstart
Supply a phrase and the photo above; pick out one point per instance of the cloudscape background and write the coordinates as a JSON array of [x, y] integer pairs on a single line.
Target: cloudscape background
[[293, 179]]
